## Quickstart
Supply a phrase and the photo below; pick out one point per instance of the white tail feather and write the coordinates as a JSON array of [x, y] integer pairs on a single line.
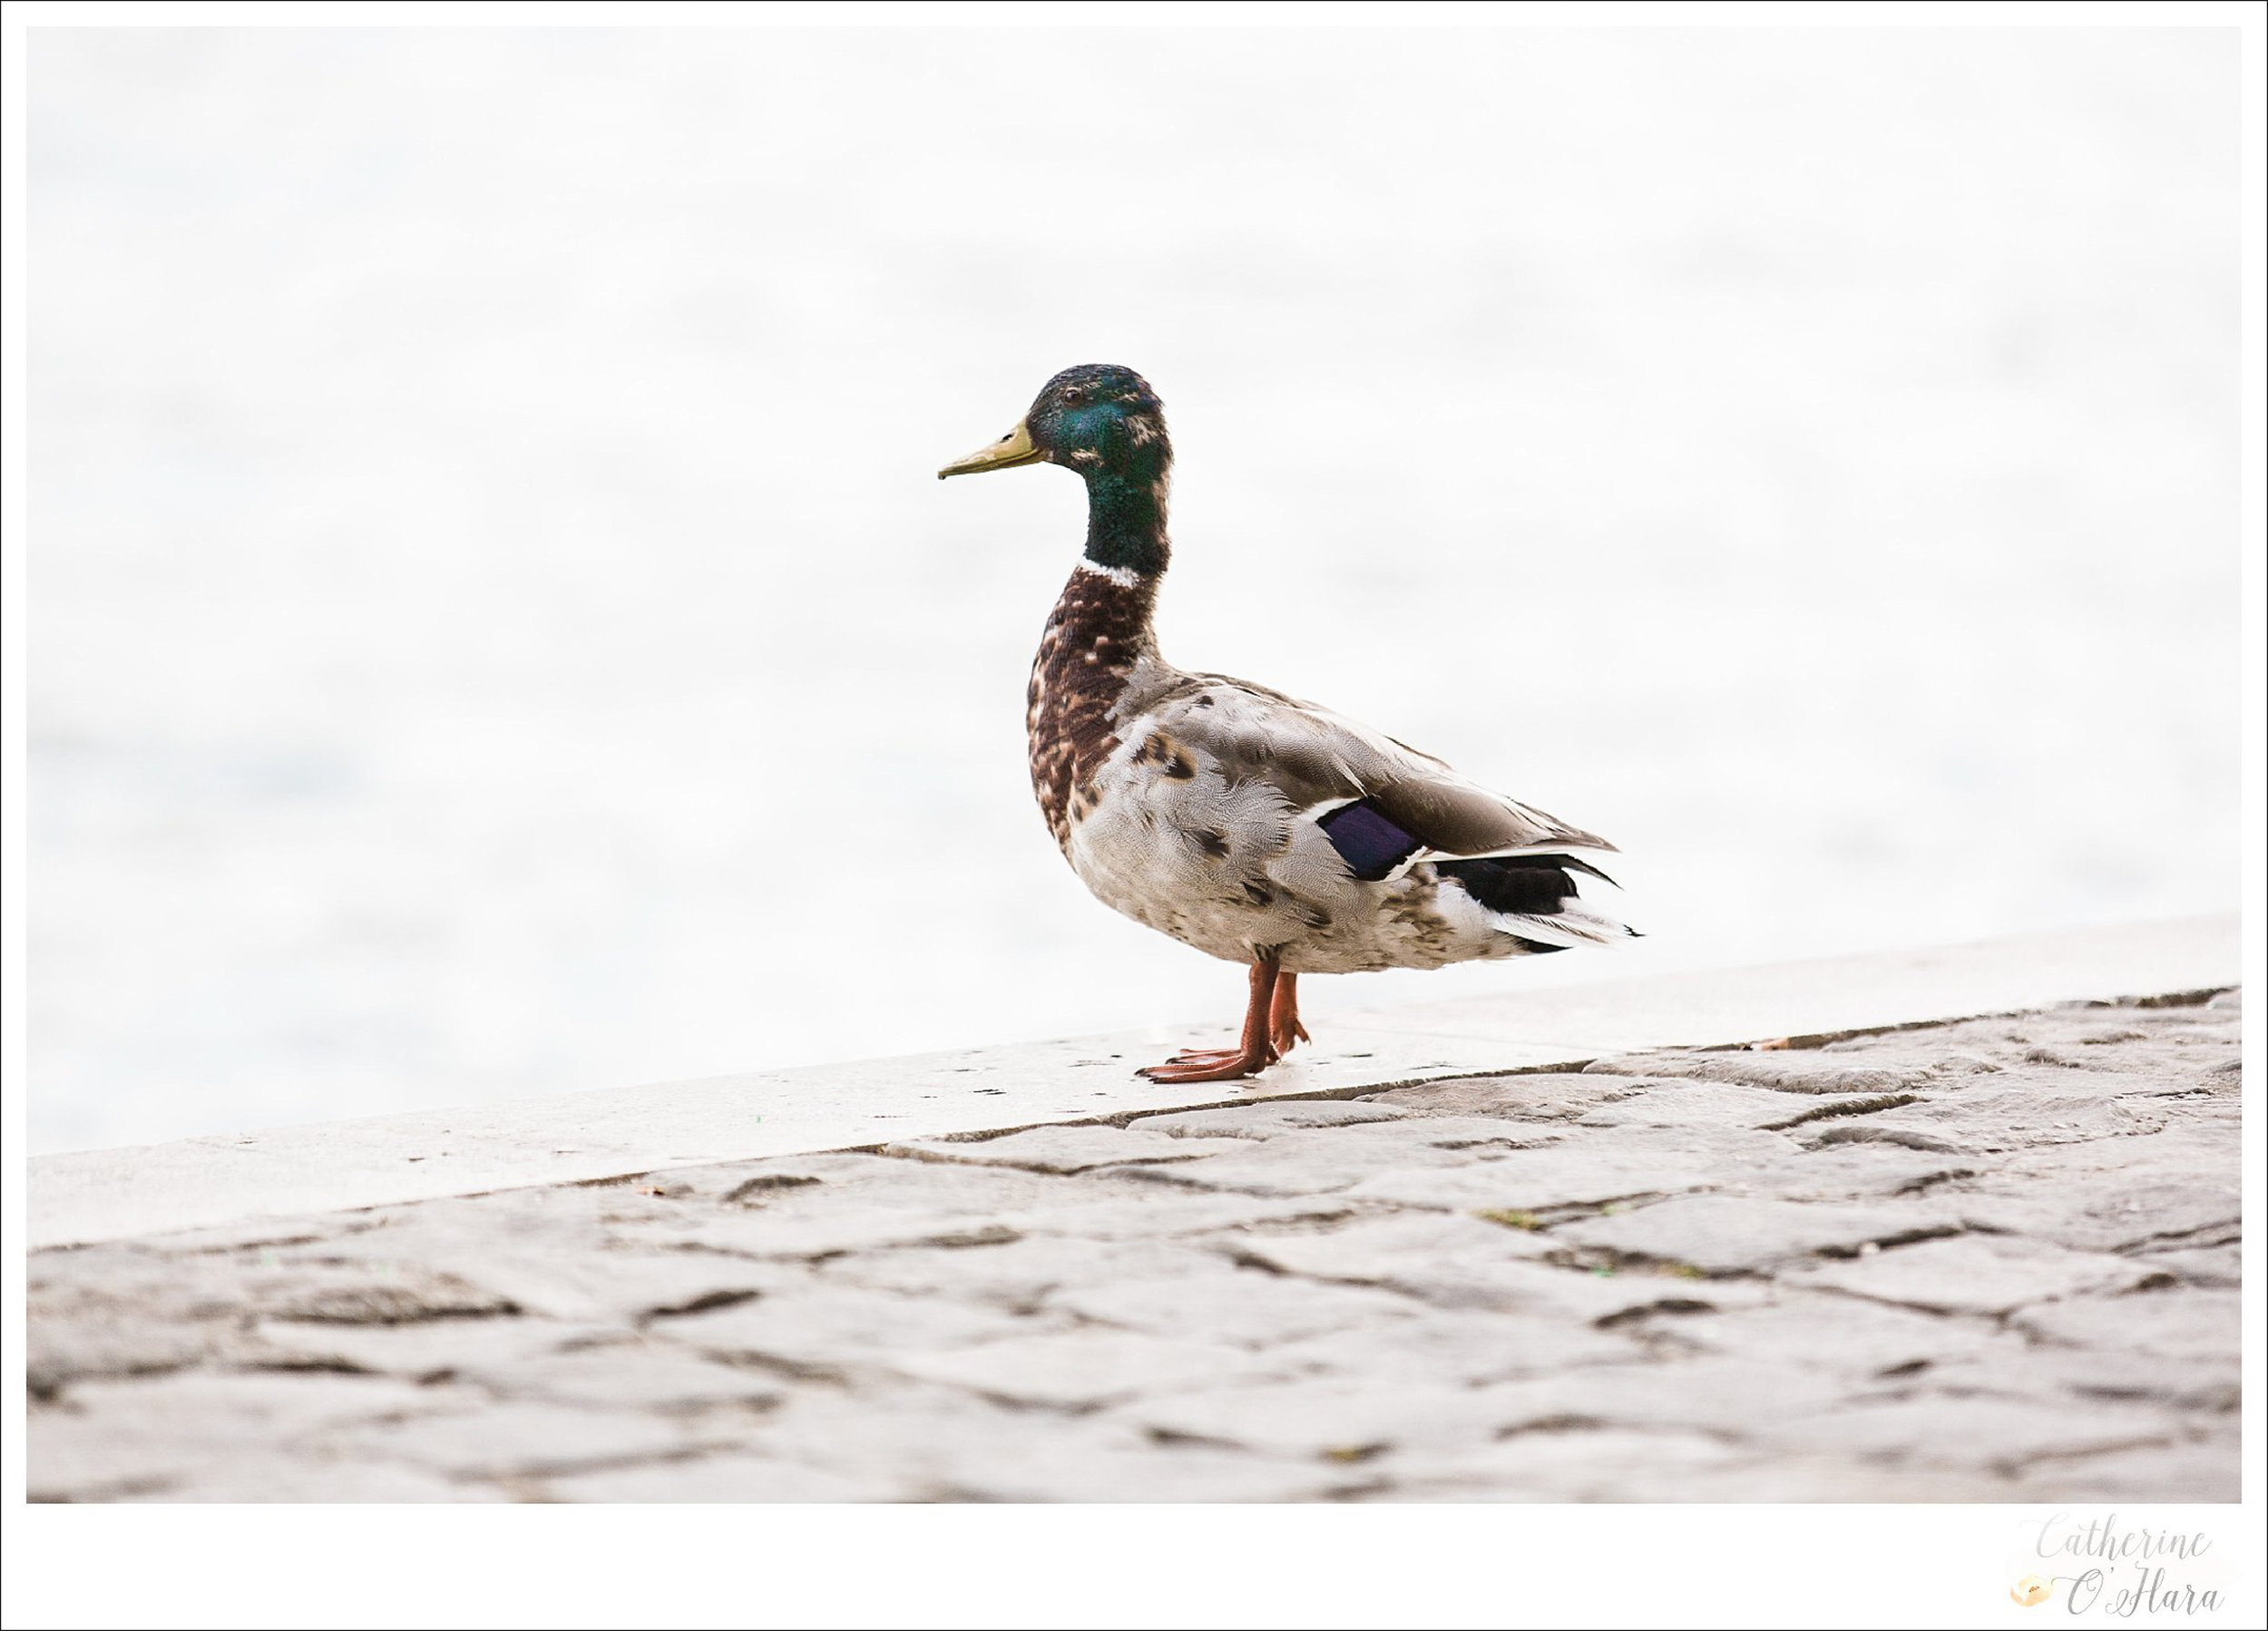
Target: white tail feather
[[1573, 925]]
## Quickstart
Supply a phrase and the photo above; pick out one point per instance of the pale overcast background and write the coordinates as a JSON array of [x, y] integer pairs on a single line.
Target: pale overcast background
[[497, 630]]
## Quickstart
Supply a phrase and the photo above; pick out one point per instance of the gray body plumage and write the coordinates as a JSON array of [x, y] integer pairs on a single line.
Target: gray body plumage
[[1204, 822]]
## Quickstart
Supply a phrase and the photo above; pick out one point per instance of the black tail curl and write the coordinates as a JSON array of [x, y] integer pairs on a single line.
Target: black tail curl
[[1526, 885]]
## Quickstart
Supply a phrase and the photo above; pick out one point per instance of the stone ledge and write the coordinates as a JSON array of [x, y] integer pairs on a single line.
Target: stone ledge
[[115, 1193]]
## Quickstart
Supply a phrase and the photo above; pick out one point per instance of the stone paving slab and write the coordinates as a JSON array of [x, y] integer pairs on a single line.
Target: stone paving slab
[[1992, 1260]]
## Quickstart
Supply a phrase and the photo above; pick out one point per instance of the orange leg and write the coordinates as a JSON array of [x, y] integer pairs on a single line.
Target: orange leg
[[1285, 1031], [1254, 1052]]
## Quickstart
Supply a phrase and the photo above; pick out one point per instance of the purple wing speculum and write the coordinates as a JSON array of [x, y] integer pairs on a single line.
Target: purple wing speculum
[[1371, 845]]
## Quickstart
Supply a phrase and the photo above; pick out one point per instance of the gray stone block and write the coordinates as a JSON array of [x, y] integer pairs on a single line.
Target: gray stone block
[[2135, 1209], [1543, 1096], [2215, 1266], [809, 1233], [838, 1332], [1784, 1476], [1846, 1335], [413, 1353], [589, 1277], [1114, 1474], [126, 1313], [1862, 1171], [2189, 1472], [1573, 1464], [1378, 1250], [1019, 1274], [1158, 1214], [1975, 1273], [1460, 1262], [153, 1434], [1250, 1309], [1728, 1234], [515, 1438], [1295, 1163], [237, 1477], [1265, 1120], [730, 1478], [1471, 1138], [392, 1293], [98, 1336], [945, 1444], [1789, 1072], [1439, 1346], [1706, 1393], [1063, 1149], [1991, 1122], [1324, 1417], [814, 1185], [2209, 1383], [2182, 1323], [1537, 1181], [627, 1373], [1888, 1135], [1708, 1104], [1078, 1369], [2003, 1434], [1528, 1286]]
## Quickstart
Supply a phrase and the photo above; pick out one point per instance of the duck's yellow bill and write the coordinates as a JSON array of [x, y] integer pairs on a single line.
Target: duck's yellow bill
[[1014, 449]]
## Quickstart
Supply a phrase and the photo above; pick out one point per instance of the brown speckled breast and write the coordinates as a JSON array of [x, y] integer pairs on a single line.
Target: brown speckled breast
[[1098, 631]]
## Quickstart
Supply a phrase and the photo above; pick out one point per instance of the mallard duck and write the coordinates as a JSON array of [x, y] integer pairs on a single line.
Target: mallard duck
[[1256, 827]]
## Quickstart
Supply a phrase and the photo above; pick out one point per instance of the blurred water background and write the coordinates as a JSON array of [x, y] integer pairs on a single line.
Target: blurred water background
[[496, 631]]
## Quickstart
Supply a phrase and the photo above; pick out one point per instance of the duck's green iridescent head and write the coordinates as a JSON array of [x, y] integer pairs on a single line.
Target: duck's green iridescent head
[[1105, 423], [1093, 418]]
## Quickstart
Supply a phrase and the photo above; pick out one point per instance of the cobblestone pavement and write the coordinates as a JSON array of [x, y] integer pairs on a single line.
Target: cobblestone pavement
[[1988, 1261]]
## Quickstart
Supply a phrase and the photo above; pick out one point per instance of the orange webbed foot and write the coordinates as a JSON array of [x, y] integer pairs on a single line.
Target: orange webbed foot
[[1211, 1064]]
